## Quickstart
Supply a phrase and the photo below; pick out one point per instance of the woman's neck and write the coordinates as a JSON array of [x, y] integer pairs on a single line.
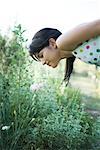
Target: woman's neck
[[65, 54]]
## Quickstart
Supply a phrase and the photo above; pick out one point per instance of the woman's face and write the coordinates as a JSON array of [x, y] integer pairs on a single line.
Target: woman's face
[[50, 55]]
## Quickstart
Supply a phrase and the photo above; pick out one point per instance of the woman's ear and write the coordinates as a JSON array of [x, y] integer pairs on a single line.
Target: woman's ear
[[52, 43]]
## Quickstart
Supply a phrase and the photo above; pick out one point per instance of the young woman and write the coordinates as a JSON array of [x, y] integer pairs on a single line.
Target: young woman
[[83, 42]]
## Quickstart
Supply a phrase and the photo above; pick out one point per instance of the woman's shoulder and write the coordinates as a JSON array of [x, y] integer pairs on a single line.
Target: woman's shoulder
[[91, 43]]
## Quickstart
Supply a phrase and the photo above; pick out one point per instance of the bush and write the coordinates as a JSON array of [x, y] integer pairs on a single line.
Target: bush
[[38, 121], [67, 126], [48, 118]]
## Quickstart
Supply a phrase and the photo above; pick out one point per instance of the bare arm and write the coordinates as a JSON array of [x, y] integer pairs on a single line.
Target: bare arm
[[81, 33]]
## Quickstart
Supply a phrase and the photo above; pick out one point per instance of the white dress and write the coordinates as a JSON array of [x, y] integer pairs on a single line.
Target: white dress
[[89, 51]]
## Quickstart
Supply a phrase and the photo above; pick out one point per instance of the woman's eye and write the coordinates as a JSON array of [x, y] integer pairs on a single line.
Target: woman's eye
[[40, 56]]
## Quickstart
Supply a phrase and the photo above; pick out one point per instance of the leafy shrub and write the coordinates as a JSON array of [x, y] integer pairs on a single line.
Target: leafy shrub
[[48, 118]]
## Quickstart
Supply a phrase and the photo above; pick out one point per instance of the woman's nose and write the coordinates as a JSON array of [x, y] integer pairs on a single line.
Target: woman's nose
[[43, 62]]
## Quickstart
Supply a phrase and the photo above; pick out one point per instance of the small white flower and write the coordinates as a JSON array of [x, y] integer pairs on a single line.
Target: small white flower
[[36, 87], [32, 119], [5, 127]]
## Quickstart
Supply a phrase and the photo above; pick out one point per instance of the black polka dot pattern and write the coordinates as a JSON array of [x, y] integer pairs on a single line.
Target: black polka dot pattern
[[75, 53], [89, 51], [98, 50], [95, 59], [89, 62]]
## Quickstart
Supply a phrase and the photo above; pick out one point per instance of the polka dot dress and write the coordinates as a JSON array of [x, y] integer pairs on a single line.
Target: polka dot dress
[[89, 51]]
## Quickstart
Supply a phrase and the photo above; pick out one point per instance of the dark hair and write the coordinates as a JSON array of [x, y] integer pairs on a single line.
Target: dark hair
[[68, 69], [41, 40]]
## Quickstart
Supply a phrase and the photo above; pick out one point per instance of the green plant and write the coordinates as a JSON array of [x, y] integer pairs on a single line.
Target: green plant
[[47, 119]]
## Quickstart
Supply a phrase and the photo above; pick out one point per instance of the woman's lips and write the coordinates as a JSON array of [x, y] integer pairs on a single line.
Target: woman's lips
[[51, 65], [48, 64]]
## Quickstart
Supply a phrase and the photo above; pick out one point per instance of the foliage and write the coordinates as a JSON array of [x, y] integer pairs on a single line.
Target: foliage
[[48, 118]]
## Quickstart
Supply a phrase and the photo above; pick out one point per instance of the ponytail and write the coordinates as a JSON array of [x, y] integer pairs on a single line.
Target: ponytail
[[68, 69]]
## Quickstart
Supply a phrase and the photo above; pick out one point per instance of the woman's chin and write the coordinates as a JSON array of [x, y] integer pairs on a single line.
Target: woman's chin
[[54, 66]]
